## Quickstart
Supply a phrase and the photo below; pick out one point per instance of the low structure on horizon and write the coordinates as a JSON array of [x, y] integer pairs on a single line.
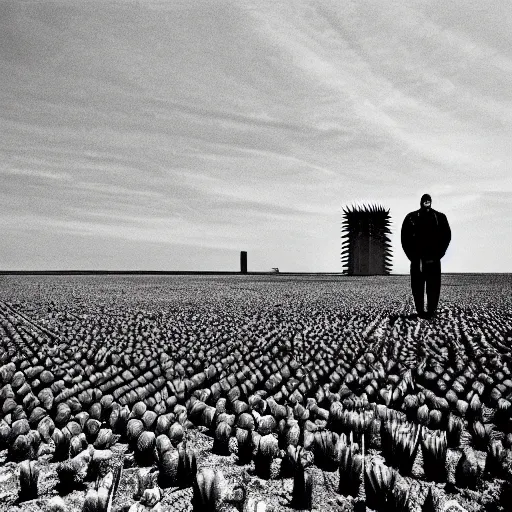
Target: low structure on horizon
[[366, 247], [243, 262]]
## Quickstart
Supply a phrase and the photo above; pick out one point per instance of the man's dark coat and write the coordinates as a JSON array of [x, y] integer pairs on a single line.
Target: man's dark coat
[[426, 235]]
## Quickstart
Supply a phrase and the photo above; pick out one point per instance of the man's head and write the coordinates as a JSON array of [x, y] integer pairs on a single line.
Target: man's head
[[426, 202]]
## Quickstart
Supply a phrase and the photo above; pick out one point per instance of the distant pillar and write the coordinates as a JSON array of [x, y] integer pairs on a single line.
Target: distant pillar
[[243, 262]]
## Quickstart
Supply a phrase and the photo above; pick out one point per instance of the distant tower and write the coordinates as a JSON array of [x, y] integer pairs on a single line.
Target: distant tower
[[366, 245], [243, 262]]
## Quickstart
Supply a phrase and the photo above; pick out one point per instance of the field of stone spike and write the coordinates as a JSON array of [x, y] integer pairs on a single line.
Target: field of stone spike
[[254, 393]]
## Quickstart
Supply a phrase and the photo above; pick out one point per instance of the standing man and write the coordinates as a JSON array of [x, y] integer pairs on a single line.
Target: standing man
[[425, 237]]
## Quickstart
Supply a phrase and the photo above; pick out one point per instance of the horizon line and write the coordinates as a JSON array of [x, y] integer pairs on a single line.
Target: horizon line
[[215, 272]]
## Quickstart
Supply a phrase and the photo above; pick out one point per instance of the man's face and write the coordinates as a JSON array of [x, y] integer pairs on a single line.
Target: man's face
[[426, 204]]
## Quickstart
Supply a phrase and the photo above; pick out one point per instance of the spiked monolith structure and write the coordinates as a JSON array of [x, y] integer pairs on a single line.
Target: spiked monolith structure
[[366, 244]]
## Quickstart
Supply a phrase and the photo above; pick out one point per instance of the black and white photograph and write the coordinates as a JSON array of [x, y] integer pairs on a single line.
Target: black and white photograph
[[255, 255]]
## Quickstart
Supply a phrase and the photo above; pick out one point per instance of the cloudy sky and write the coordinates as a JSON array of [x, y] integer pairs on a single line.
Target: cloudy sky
[[171, 134]]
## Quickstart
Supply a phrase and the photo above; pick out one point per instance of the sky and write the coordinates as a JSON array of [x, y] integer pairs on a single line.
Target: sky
[[173, 134]]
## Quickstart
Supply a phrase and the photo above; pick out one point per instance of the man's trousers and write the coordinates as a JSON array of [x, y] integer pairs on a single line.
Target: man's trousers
[[426, 275]]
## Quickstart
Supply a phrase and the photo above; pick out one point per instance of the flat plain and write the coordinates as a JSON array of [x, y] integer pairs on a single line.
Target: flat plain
[[274, 389]]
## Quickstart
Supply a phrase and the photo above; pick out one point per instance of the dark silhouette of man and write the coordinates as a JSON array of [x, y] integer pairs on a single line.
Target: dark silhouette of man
[[425, 237]]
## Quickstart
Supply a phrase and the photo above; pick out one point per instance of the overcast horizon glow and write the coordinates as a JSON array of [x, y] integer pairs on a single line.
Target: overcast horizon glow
[[171, 135]]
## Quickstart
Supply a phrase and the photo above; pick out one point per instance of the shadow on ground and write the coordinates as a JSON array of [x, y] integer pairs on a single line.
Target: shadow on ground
[[409, 316]]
